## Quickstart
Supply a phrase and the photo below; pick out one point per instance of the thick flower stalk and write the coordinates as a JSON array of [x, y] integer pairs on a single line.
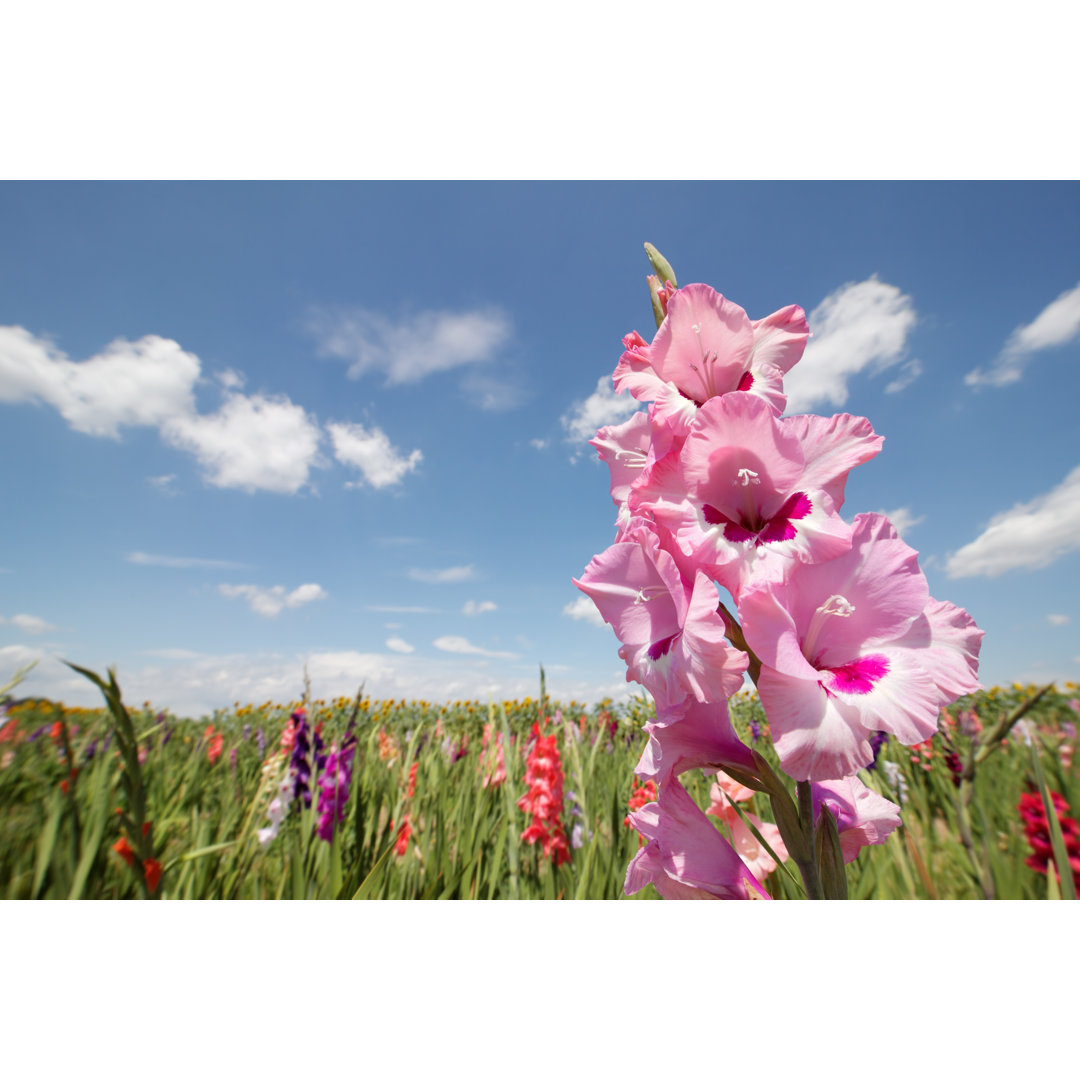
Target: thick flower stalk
[[731, 557], [543, 802]]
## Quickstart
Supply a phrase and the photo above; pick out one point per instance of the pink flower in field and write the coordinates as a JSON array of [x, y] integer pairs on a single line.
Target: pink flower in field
[[672, 637], [707, 347], [760, 863], [724, 792], [852, 646], [862, 815], [492, 762], [749, 491], [686, 857]]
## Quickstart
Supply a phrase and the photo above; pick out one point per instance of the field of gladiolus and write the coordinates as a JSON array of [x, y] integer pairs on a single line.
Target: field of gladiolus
[[524, 799]]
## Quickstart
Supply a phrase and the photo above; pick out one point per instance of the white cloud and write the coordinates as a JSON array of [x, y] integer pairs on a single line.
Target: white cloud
[[541, 444], [253, 443], [141, 383], [584, 608], [453, 644], [909, 372], [30, 624], [862, 325], [371, 453], [270, 601], [902, 518], [165, 484], [412, 348], [1057, 324], [393, 609], [1058, 620], [603, 406], [449, 576], [1030, 535], [395, 644], [183, 562], [473, 608], [197, 685]]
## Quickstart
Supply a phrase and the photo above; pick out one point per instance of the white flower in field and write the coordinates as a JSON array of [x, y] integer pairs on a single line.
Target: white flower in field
[[1023, 730], [896, 779]]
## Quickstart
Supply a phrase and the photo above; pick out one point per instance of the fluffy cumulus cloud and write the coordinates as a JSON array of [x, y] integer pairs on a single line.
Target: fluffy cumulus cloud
[[409, 349], [1058, 620], [603, 406], [1029, 536], [1057, 324], [903, 519], [451, 575], [134, 383], [396, 644], [252, 443], [454, 644], [584, 608], [370, 451], [30, 624], [473, 608], [861, 326], [183, 562], [269, 602]]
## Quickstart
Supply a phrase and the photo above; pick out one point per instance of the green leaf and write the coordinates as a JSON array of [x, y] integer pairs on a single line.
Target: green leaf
[[830, 858], [46, 842], [1057, 841]]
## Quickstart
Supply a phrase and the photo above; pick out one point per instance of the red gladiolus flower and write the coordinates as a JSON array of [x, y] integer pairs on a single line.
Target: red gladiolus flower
[[401, 845], [152, 870], [412, 780], [217, 744], [123, 849], [544, 799], [1037, 831]]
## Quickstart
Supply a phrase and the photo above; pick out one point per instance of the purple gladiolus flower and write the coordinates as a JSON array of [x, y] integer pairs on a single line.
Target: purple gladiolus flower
[[877, 741], [755, 730], [334, 787], [34, 736], [298, 763], [260, 742]]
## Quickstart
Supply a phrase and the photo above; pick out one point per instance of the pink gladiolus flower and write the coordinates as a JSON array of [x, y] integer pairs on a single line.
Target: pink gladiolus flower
[[696, 735], [852, 646], [761, 864], [706, 347], [673, 638], [862, 815], [749, 491], [686, 858], [625, 448]]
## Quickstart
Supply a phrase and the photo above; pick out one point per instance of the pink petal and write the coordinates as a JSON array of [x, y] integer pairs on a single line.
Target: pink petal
[[832, 448], [862, 815], [818, 736], [780, 338], [704, 344]]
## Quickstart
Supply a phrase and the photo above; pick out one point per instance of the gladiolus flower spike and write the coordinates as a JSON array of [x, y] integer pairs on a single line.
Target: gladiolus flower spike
[[834, 622]]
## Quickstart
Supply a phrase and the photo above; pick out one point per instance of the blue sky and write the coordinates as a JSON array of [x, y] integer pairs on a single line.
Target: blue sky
[[249, 426]]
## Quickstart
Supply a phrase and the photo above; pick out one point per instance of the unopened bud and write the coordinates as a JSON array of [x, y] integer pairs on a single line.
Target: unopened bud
[[661, 266]]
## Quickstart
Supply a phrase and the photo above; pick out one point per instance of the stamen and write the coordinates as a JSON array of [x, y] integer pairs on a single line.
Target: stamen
[[635, 459], [746, 478], [650, 592], [835, 605]]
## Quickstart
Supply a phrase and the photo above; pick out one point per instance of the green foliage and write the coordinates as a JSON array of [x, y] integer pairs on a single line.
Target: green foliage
[[93, 779]]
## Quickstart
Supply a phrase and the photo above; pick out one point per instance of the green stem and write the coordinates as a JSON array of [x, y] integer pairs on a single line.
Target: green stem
[[807, 862]]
